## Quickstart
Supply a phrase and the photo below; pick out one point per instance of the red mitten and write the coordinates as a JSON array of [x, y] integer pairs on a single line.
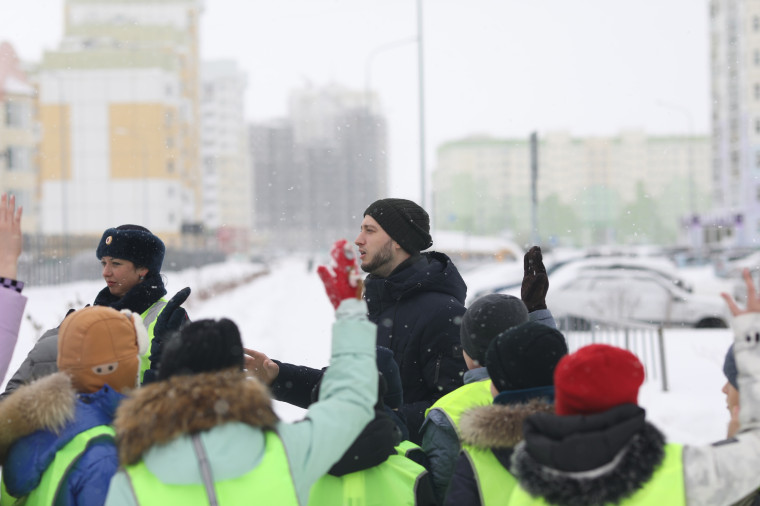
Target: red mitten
[[341, 279]]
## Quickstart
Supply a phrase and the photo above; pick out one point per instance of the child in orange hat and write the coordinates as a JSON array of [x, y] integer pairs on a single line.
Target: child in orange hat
[[57, 445]]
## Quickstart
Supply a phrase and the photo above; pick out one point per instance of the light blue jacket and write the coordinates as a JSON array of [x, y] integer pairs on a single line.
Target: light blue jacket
[[235, 446]]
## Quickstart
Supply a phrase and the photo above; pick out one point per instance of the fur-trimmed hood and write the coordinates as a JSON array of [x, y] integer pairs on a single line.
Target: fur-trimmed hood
[[163, 411], [588, 460], [499, 426], [46, 404]]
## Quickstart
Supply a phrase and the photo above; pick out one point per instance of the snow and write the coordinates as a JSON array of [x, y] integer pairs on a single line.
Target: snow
[[285, 313]]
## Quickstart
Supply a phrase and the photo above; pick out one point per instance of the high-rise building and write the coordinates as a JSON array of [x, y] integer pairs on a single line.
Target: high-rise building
[[735, 87], [119, 115], [317, 170], [227, 175], [598, 190], [18, 136]]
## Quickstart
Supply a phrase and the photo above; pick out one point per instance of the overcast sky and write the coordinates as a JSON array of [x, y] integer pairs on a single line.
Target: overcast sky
[[498, 67]]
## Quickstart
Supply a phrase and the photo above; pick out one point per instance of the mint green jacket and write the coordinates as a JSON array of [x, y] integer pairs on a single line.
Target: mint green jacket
[[235, 446]]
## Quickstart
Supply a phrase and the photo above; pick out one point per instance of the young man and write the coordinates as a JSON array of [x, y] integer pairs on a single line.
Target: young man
[[417, 301]]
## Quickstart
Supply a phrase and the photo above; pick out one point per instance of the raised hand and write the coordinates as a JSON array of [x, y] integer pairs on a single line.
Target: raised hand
[[342, 279], [171, 319], [535, 283], [753, 301], [11, 239], [259, 366]]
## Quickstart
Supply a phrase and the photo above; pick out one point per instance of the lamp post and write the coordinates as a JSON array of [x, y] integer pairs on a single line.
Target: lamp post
[[421, 81]]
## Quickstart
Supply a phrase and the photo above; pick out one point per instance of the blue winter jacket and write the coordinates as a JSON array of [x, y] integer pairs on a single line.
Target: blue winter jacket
[[28, 457]]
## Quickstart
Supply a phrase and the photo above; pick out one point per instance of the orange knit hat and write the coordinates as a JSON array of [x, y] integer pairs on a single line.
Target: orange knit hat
[[99, 345]]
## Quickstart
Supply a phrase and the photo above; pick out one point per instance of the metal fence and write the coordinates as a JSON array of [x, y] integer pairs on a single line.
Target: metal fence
[[643, 340], [48, 260]]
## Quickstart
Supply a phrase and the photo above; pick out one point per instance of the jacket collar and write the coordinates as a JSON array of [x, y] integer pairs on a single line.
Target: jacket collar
[[499, 426], [138, 299], [165, 410], [595, 459]]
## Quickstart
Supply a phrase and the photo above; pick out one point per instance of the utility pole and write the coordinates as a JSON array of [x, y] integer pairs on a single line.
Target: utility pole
[[421, 79], [534, 188]]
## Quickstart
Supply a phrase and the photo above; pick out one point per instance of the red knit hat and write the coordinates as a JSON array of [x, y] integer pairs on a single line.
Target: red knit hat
[[596, 378]]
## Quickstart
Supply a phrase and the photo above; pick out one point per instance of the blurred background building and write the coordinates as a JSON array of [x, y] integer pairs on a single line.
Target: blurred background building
[[226, 183], [631, 188], [19, 136], [317, 170], [119, 108]]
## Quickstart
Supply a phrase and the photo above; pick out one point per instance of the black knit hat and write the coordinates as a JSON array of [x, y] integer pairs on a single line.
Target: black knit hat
[[729, 367], [486, 318], [134, 243], [202, 346], [525, 357], [406, 222]]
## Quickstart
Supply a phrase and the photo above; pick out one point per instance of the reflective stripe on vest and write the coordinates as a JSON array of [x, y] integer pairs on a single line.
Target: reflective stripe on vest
[[394, 482], [666, 485], [50, 487], [149, 318], [488, 470], [453, 404], [270, 481]]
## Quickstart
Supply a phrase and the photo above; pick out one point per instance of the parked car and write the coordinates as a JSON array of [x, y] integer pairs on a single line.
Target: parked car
[[630, 294]]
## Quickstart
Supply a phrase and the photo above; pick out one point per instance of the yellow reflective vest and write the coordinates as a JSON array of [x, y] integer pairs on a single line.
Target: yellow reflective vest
[[454, 404], [149, 317], [394, 482], [50, 488], [666, 486], [270, 482]]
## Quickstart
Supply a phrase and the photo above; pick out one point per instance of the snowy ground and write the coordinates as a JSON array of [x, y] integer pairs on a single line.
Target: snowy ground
[[286, 315]]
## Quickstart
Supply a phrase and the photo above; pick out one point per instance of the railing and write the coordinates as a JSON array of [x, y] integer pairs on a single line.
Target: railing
[[643, 340]]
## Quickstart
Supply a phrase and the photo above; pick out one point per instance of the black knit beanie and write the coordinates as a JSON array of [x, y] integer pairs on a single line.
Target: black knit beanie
[[406, 222], [729, 367], [486, 318], [134, 243], [525, 357], [202, 346]]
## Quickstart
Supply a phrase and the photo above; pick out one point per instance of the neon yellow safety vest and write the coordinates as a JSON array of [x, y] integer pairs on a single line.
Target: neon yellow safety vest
[[50, 489], [454, 404], [270, 482], [149, 317], [394, 482], [489, 471], [666, 485]]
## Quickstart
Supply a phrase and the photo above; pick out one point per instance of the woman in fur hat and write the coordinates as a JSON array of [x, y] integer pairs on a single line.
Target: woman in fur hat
[[131, 258]]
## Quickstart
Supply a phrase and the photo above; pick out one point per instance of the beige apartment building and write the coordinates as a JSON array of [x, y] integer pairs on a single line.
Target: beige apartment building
[[18, 136], [118, 107], [629, 188]]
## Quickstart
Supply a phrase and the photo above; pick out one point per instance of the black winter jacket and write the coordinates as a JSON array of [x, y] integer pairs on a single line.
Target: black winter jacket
[[418, 309]]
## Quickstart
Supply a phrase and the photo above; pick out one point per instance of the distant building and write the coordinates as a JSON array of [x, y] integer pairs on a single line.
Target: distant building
[[227, 175], [631, 188], [317, 170], [18, 136], [735, 86], [119, 113]]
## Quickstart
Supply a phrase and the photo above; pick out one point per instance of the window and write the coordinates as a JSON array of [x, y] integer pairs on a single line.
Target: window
[[18, 158], [16, 114], [757, 91]]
